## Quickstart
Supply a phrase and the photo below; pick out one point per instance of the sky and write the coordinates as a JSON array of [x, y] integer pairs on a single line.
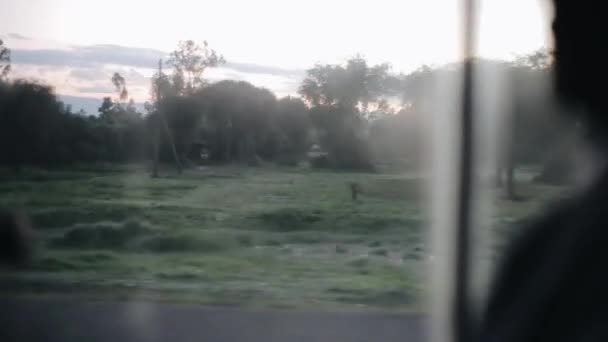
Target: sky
[[76, 45]]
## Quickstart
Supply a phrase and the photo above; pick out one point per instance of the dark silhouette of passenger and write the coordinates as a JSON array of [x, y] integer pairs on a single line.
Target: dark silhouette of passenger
[[553, 285], [15, 239]]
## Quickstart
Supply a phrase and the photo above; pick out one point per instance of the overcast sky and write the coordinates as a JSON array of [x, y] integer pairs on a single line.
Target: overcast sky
[[76, 45]]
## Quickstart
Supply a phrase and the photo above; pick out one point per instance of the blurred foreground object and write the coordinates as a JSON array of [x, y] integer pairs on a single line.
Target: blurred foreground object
[[15, 239], [553, 284]]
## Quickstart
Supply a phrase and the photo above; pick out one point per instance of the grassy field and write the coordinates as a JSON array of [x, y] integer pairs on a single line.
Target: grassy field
[[256, 237]]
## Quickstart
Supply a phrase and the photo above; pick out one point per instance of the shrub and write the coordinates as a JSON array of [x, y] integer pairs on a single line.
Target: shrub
[[53, 265], [341, 249], [272, 242], [319, 162], [290, 219], [180, 243], [65, 217], [380, 252], [304, 237], [360, 262], [288, 160], [374, 244], [101, 235], [245, 240]]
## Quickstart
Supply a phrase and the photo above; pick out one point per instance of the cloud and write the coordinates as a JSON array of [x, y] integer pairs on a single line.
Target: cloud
[[90, 73], [96, 89], [85, 71], [264, 69], [90, 56], [18, 36], [95, 55]]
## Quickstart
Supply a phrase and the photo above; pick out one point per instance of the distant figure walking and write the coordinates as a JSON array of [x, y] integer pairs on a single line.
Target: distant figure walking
[[355, 190]]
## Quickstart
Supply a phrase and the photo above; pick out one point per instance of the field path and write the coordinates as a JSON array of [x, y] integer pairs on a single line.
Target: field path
[[69, 320]]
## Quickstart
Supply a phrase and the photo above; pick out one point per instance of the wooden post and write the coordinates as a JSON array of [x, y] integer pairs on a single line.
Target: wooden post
[[156, 147], [162, 120], [157, 123], [173, 148]]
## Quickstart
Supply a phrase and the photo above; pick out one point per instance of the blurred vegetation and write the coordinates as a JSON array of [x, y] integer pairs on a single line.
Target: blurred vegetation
[[272, 236], [281, 234], [351, 116]]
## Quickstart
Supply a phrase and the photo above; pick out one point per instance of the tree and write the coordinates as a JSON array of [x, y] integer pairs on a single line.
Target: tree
[[537, 60], [413, 88], [106, 109], [121, 87], [239, 118], [31, 122], [5, 61], [121, 110], [293, 125], [121, 128], [176, 107], [341, 96], [398, 139], [160, 86], [355, 85], [190, 61], [532, 124]]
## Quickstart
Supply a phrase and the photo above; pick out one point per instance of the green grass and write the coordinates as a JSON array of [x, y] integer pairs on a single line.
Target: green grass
[[263, 237]]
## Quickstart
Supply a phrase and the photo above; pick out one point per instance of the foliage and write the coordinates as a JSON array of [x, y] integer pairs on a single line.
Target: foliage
[[239, 120], [354, 85], [340, 97], [190, 61], [347, 111], [35, 128], [5, 61], [101, 236]]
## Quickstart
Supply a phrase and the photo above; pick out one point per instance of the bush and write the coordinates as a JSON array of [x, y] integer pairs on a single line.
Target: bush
[[375, 244], [273, 242], [304, 237], [180, 243], [360, 262], [65, 217], [380, 252], [341, 249], [245, 240], [288, 160], [53, 265], [101, 235], [319, 162], [290, 219]]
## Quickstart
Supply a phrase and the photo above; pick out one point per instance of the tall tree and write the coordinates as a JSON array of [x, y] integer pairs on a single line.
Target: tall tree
[[190, 61], [293, 124], [239, 120], [121, 87], [354, 85], [340, 96], [160, 87], [5, 60]]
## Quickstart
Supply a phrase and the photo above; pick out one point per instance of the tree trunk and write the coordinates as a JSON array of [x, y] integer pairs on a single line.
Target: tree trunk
[[510, 184], [498, 177], [227, 145], [173, 148], [156, 147]]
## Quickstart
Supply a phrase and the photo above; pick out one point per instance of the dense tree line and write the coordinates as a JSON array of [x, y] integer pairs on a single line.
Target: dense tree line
[[358, 114]]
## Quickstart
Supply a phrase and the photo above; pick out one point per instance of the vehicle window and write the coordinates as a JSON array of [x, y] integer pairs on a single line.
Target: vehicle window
[[277, 165]]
